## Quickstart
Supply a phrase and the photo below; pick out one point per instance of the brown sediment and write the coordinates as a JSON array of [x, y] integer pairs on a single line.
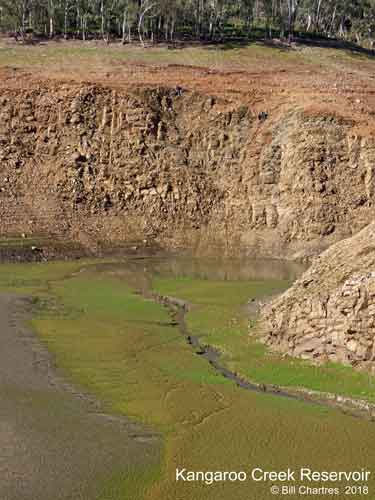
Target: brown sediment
[[56, 441]]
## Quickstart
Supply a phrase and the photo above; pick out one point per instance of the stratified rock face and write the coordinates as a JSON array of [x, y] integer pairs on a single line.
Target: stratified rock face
[[183, 169], [329, 313]]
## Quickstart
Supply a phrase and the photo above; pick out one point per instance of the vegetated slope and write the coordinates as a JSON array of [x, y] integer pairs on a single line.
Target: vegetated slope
[[328, 314], [179, 168]]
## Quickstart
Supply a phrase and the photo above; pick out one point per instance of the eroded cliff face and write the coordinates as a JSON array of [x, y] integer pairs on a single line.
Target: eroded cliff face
[[329, 313], [181, 169]]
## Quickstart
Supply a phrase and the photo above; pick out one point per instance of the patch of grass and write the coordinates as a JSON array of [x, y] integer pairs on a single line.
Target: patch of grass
[[128, 335], [130, 485], [19, 241], [72, 55], [33, 278], [218, 318]]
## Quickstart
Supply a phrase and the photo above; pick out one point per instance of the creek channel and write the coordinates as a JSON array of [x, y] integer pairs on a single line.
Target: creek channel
[[139, 273]]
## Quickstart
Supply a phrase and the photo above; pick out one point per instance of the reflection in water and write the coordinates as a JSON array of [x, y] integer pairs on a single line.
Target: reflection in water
[[228, 269], [139, 272]]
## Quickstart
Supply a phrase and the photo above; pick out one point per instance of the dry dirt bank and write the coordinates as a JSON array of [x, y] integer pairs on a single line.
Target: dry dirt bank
[[180, 169]]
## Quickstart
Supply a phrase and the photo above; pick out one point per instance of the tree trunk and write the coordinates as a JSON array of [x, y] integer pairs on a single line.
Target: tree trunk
[[84, 27], [23, 26], [333, 20], [143, 12], [66, 20], [309, 23], [172, 29], [317, 23], [166, 29], [102, 19], [123, 28]]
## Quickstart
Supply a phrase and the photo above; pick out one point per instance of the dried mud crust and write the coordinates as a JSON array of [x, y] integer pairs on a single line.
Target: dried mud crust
[[181, 168], [56, 442]]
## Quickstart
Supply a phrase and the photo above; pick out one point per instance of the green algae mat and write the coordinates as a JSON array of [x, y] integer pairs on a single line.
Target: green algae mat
[[112, 341]]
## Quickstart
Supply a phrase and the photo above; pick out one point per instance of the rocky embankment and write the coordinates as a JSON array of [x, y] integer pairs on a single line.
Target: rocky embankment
[[179, 169], [329, 313]]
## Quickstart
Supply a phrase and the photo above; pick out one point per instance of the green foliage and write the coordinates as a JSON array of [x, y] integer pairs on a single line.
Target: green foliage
[[169, 19]]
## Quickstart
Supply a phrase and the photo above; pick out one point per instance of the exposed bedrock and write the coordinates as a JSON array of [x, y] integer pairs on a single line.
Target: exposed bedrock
[[329, 313], [180, 169]]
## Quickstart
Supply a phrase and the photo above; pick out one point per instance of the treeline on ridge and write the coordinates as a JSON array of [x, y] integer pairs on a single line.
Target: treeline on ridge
[[168, 20]]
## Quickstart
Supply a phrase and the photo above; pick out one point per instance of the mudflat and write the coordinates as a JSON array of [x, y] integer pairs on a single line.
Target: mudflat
[[55, 443]]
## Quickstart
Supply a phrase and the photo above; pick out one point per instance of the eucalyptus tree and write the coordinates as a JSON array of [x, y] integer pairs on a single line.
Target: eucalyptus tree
[[145, 8]]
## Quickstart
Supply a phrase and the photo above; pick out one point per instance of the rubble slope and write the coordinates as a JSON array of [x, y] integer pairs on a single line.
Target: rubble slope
[[329, 313]]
